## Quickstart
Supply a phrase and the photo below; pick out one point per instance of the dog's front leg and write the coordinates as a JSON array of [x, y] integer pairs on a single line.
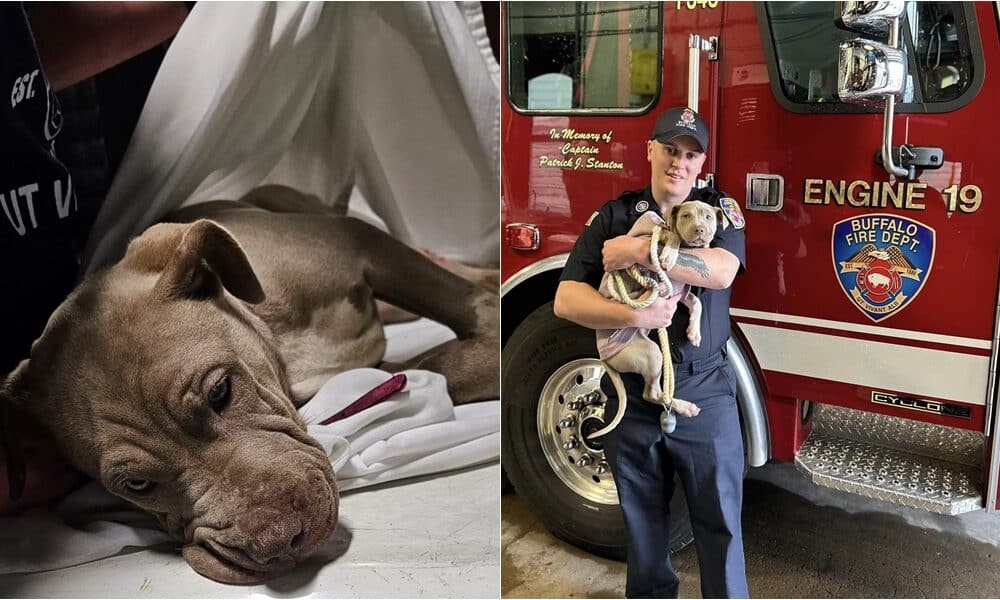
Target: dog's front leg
[[406, 278], [486, 277], [694, 323]]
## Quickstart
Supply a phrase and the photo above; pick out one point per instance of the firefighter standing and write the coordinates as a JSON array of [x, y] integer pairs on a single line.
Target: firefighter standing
[[705, 451]]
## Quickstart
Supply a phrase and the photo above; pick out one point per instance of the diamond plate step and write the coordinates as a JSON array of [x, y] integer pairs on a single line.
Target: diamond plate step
[[889, 474], [950, 444]]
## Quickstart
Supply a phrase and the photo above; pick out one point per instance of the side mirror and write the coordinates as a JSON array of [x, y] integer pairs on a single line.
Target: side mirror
[[868, 71], [870, 16], [872, 73]]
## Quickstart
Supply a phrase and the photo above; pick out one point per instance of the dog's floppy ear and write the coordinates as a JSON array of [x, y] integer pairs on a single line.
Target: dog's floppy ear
[[720, 215], [9, 440], [206, 257]]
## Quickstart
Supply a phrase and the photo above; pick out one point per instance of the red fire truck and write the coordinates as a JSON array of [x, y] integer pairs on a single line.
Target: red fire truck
[[857, 139]]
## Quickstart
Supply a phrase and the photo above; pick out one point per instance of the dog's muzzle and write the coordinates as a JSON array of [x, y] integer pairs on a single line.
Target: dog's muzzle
[[287, 522]]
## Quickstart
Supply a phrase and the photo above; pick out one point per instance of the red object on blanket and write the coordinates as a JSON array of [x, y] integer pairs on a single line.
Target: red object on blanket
[[377, 394]]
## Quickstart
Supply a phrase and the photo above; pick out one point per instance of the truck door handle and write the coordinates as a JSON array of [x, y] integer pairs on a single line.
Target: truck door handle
[[697, 45]]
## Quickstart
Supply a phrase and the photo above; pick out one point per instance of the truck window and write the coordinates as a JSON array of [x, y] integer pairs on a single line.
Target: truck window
[[578, 56], [940, 39]]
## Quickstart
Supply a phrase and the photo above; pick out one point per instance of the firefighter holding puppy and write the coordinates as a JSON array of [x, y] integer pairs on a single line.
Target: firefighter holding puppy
[[644, 451]]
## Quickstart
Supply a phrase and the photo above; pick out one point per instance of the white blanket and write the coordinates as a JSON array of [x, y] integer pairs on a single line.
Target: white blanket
[[395, 106]]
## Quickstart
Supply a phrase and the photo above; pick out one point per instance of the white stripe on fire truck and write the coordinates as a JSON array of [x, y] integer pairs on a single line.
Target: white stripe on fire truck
[[859, 328], [923, 372]]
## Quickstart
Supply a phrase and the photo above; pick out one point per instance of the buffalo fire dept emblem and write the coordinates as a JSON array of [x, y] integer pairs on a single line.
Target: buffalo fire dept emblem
[[882, 261]]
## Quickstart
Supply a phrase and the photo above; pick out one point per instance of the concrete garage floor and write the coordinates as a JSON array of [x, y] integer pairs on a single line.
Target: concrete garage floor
[[801, 541]]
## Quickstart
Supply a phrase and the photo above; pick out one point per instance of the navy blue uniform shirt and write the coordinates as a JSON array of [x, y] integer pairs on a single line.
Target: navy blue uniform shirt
[[615, 218], [40, 226]]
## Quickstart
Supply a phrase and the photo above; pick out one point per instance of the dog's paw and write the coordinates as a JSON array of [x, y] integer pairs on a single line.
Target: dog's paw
[[685, 408], [485, 277], [694, 336]]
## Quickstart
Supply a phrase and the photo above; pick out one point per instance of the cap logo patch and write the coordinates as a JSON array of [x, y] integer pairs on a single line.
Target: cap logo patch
[[731, 209], [641, 206], [687, 119]]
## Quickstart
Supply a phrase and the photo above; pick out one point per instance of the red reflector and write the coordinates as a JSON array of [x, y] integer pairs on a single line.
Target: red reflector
[[521, 236]]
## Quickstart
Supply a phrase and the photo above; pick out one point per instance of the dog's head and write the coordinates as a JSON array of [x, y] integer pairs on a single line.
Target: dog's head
[[696, 222], [156, 380]]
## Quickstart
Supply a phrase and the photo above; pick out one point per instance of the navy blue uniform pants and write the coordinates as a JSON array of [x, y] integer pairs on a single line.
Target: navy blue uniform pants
[[707, 453]]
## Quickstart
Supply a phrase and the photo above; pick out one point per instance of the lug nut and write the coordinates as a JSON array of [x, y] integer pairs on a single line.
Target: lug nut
[[567, 422], [602, 467], [575, 405], [571, 443], [584, 460]]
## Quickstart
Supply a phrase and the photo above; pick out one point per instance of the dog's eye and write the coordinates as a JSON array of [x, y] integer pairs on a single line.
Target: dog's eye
[[138, 485], [218, 396]]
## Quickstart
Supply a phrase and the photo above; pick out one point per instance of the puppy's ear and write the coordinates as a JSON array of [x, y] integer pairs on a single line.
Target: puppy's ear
[[9, 440], [206, 257], [722, 218]]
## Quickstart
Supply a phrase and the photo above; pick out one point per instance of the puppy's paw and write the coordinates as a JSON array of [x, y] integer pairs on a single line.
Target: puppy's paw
[[694, 336], [685, 408]]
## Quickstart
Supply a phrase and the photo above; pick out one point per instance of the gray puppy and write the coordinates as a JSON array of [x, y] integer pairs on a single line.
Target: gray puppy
[[629, 350]]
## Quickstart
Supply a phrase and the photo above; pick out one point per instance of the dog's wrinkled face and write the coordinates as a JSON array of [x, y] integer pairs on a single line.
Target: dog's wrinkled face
[[696, 223], [164, 387]]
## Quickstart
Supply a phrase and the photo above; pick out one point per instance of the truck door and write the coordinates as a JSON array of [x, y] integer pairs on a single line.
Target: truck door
[[871, 291]]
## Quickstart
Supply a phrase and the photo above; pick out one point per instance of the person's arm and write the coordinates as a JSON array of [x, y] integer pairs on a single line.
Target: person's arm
[[713, 268], [77, 40], [577, 298], [579, 302]]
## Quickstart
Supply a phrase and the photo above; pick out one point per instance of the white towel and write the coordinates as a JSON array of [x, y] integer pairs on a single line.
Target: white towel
[[415, 432]]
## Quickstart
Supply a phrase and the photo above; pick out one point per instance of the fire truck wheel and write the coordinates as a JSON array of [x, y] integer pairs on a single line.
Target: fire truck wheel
[[551, 396]]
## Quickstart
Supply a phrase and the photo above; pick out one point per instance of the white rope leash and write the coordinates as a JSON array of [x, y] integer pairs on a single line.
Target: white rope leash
[[661, 264]]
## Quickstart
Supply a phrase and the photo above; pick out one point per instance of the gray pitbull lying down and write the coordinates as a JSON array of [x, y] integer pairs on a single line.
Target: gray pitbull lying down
[[629, 350], [173, 376]]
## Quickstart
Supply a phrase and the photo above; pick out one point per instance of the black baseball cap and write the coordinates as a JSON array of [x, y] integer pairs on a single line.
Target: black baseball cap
[[678, 121]]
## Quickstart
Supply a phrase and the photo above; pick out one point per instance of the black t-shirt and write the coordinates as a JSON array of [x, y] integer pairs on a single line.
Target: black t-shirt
[[40, 225], [615, 218]]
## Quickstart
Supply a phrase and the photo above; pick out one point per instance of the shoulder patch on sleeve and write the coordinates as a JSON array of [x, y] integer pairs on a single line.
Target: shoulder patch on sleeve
[[732, 211], [591, 219]]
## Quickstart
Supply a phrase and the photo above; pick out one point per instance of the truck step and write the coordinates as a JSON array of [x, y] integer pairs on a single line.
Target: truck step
[[909, 435], [902, 461]]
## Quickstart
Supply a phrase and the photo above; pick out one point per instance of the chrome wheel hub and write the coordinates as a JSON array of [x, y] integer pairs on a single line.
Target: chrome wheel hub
[[570, 408]]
